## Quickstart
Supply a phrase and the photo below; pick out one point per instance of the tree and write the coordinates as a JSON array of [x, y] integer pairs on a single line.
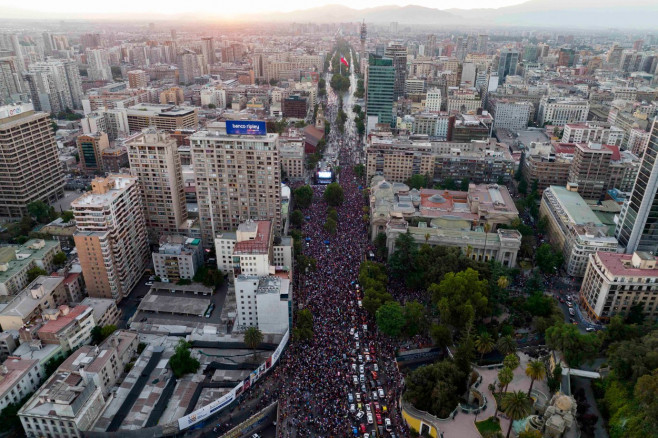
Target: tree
[[403, 258], [547, 259], [484, 344], [576, 347], [516, 406], [555, 379], [390, 318], [441, 335], [417, 181], [511, 361], [539, 304], [330, 225], [523, 187], [360, 170], [333, 194], [505, 377], [303, 330], [9, 414], [381, 250], [67, 216], [415, 317], [273, 82], [99, 334], [435, 388], [536, 370], [463, 185], [253, 338], [59, 259], [460, 297], [35, 272], [39, 210], [506, 345], [303, 196], [182, 362], [296, 218], [646, 393], [532, 433]]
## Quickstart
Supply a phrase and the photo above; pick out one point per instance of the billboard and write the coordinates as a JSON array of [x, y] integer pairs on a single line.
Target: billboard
[[245, 127], [324, 175]]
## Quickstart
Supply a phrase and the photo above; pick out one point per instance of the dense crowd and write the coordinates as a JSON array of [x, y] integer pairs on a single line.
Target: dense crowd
[[316, 374]]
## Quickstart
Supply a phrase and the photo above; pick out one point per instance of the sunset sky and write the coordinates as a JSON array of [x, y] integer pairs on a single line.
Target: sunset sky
[[227, 7]]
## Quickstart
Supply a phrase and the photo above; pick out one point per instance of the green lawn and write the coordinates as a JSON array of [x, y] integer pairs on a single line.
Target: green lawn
[[487, 426]]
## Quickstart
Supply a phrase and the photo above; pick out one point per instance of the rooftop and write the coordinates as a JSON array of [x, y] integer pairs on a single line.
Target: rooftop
[[24, 303], [620, 265], [253, 237], [156, 109], [105, 190], [574, 206], [14, 258], [16, 368], [64, 317]]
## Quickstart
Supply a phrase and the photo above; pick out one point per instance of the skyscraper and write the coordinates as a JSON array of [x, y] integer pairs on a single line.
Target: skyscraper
[[398, 53], [11, 84], [380, 85], [111, 236], [99, 65], [154, 159], [637, 229], [208, 50], [55, 85], [29, 163], [238, 177], [507, 63], [90, 151]]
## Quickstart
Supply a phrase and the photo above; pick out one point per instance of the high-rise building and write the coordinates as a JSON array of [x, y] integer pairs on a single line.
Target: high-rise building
[[590, 169], [637, 229], [510, 115], [55, 85], [137, 79], [154, 159], [90, 151], [145, 115], [12, 89], [238, 177], [433, 100], [111, 237], [398, 53], [99, 65], [29, 163], [507, 61], [482, 42], [560, 111], [10, 42], [208, 50], [380, 86]]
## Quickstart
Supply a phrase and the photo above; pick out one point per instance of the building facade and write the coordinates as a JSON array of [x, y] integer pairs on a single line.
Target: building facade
[[614, 283], [558, 111], [178, 257], [90, 151], [29, 165], [380, 88], [111, 238]]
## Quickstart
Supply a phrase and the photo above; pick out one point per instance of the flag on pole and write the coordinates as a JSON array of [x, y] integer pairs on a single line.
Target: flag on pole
[[344, 61]]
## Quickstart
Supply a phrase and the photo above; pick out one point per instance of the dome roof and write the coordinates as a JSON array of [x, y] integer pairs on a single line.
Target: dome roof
[[436, 198], [564, 403]]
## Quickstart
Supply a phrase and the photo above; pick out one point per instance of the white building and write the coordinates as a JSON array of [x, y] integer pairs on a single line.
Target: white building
[[574, 229], [613, 283], [433, 100], [18, 378], [638, 140], [592, 132], [99, 65], [511, 115], [463, 100], [560, 111], [261, 274], [178, 257]]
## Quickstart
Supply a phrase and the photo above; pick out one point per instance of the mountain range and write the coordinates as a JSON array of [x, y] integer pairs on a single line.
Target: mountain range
[[602, 14]]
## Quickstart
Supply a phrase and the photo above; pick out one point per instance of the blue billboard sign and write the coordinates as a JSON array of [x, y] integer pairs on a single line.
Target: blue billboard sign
[[245, 127]]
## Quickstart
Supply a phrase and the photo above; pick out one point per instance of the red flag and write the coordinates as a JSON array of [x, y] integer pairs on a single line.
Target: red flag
[[344, 61]]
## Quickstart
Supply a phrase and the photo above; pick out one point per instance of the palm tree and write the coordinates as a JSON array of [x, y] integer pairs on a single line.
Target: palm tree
[[503, 282], [511, 361], [506, 345], [487, 228], [484, 343], [516, 406], [427, 237], [536, 370], [253, 338], [505, 377], [469, 251]]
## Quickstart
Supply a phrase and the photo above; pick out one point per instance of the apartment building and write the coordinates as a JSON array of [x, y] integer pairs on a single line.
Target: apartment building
[[479, 161], [433, 100], [292, 155], [18, 378], [90, 151], [238, 177], [560, 111], [574, 229], [263, 289], [15, 261], [511, 115], [29, 164], [68, 327], [105, 310], [593, 132], [548, 164], [111, 238], [155, 160], [638, 139], [137, 79], [73, 398], [41, 294], [161, 116], [590, 169], [463, 100], [614, 283], [178, 257], [172, 96]]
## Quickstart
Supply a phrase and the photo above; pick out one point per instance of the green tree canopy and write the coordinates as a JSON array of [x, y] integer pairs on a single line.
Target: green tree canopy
[[303, 196], [547, 259], [418, 181], [303, 330], [516, 406], [403, 258], [333, 194], [390, 318], [59, 259], [253, 337], [577, 348], [415, 315], [35, 272], [460, 297], [441, 335], [435, 388], [67, 216], [297, 218], [330, 225], [39, 210], [182, 362]]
